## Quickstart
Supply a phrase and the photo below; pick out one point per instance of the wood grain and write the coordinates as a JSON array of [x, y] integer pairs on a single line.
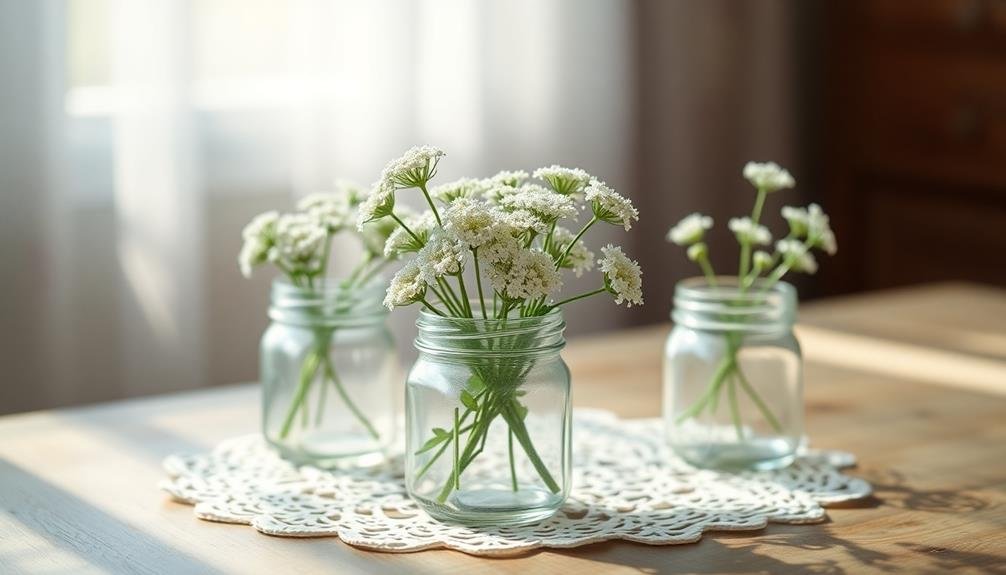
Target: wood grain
[[78, 487]]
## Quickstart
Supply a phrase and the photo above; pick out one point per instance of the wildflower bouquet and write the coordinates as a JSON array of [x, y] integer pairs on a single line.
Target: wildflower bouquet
[[311, 307], [758, 272], [508, 233]]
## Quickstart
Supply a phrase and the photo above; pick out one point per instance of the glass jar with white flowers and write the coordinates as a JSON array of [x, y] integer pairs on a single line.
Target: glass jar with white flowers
[[488, 401], [328, 364], [733, 370]]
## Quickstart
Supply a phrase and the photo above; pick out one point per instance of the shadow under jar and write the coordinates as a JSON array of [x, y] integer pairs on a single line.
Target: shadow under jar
[[488, 419], [733, 375], [330, 372]]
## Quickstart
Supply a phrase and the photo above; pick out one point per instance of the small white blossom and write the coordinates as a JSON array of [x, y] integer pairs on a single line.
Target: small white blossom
[[407, 287], [768, 177], [622, 276], [416, 167], [748, 232], [525, 221], [543, 203], [565, 181], [690, 229], [509, 178], [531, 274], [258, 236], [811, 223], [494, 192], [332, 210], [798, 220], [463, 188], [609, 206], [579, 259], [379, 204], [401, 241], [797, 255], [697, 251], [442, 255], [471, 221], [299, 240], [762, 261], [502, 245]]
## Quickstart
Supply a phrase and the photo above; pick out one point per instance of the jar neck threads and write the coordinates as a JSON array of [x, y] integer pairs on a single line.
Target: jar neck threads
[[727, 307]]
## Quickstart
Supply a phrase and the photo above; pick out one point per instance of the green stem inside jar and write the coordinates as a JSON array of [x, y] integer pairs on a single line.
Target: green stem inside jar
[[318, 358]]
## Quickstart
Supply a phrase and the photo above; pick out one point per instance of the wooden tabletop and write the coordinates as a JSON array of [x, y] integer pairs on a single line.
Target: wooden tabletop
[[913, 382]]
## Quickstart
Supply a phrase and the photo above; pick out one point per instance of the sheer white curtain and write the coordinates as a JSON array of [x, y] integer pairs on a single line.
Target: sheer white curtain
[[149, 131]]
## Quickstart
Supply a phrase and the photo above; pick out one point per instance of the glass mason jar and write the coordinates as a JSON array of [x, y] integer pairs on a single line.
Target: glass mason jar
[[330, 372], [733, 375], [488, 419]]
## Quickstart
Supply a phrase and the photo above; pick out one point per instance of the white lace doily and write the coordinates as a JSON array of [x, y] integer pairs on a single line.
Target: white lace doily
[[627, 484]]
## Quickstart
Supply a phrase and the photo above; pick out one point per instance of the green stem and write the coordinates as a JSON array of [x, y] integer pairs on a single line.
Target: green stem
[[565, 252], [734, 409], [758, 401], [326, 252], [513, 467], [429, 200], [330, 373], [464, 294], [406, 228], [517, 427], [431, 307], [745, 263], [307, 371], [718, 376], [478, 281], [457, 473], [707, 270], [581, 296]]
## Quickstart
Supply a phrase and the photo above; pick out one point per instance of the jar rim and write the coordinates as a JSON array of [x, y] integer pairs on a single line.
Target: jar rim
[[475, 337], [327, 303], [726, 306]]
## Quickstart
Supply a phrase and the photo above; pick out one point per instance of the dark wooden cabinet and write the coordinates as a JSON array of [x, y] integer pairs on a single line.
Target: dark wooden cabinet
[[914, 141]]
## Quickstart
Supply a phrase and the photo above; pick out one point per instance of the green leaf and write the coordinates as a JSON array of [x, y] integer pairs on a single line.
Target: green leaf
[[439, 436], [475, 384], [469, 401]]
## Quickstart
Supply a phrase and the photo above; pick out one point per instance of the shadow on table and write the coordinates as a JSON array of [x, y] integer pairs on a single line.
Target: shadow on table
[[82, 533], [892, 488]]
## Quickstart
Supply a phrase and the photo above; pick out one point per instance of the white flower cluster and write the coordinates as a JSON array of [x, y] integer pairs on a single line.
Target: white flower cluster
[[407, 287], [690, 230], [566, 181], [813, 224], [332, 210], [416, 167], [297, 243], [401, 241], [609, 206], [379, 204], [509, 178], [258, 237], [299, 239], [442, 255], [800, 258], [544, 204], [768, 177], [508, 228], [622, 276], [579, 259], [463, 188], [471, 221], [748, 232], [530, 275]]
